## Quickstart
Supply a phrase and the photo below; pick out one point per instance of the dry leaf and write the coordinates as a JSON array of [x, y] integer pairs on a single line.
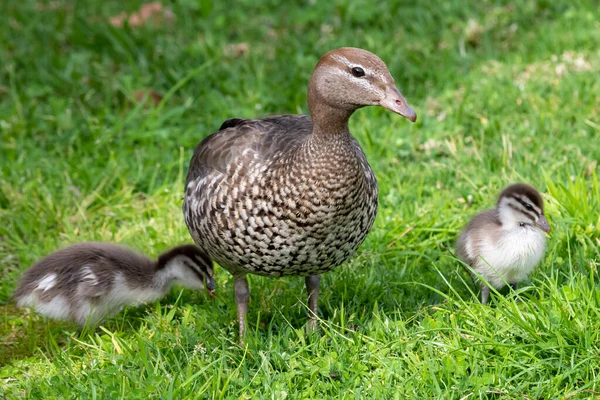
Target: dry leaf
[[117, 20], [473, 32], [52, 6], [147, 97], [154, 11], [235, 50]]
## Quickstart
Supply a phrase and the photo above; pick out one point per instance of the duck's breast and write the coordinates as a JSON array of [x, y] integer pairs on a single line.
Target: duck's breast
[[302, 209]]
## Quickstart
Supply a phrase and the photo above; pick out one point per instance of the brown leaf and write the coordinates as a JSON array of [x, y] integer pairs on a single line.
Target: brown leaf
[[52, 6], [150, 11], [235, 50], [147, 96], [117, 20]]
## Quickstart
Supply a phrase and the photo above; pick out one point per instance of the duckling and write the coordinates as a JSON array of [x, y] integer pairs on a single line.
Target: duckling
[[87, 282], [504, 244]]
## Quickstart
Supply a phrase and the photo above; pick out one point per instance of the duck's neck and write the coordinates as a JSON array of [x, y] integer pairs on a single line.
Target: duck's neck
[[328, 121]]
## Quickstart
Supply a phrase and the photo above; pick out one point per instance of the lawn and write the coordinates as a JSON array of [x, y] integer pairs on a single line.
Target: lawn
[[100, 113]]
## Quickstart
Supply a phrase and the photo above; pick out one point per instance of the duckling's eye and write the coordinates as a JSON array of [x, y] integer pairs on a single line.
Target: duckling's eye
[[521, 224], [528, 207], [358, 72]]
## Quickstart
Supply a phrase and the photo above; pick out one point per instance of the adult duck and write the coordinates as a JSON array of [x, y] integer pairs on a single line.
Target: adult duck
[[291, 195]]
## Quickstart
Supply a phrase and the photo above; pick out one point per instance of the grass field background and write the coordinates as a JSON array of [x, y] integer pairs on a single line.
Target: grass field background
[[503, 93]]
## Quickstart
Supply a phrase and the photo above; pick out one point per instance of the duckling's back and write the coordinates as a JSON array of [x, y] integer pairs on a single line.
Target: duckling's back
[[69, 284], [480, 228]]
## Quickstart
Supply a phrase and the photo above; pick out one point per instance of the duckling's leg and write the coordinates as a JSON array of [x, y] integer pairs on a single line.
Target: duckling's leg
[[485, 294], [242, 295], [515, 286], [313, 283]]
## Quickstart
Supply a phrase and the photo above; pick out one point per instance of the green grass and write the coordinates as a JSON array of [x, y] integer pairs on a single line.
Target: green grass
[[504, 93]]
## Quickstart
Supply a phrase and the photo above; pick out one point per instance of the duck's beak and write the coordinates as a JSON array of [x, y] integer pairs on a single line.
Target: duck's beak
[[394, 101], [543, 224]]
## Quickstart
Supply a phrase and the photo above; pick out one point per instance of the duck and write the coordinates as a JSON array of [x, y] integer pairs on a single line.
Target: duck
[[291, 195], [87, 282], [503, 245]]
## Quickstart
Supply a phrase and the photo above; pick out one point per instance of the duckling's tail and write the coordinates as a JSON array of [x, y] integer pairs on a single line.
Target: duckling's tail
[[464, 266]]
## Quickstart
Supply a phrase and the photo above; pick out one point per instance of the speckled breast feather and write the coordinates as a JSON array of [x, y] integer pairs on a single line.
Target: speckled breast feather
[[266, 197]]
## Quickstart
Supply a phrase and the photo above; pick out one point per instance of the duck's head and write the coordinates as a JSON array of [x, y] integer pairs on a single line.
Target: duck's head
[[520, 205], [349, 78]]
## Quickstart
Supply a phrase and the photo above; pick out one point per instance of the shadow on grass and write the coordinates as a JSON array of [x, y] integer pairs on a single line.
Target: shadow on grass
[[23, 335]]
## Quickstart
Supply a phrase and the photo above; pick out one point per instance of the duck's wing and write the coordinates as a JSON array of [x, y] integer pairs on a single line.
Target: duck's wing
[[241, 141]]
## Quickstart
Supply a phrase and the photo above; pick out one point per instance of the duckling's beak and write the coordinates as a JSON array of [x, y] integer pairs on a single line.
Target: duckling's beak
[[543, 224], [394, 101], [210, 287]]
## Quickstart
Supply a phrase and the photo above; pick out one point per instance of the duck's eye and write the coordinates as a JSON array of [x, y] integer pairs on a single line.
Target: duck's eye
[[521, 224], [358, 72], [528, 207]]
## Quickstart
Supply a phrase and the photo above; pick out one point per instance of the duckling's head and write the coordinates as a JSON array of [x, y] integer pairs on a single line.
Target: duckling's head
[[350, 78], [188, 266], [520, 205]]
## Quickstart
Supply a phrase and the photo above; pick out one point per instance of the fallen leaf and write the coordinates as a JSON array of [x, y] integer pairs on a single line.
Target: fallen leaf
[[473, 32], [52, 6], [117, 20], [150, 11], [235, 50], [147, 97]]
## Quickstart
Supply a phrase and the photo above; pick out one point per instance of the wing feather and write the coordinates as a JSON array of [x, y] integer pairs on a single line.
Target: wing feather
[[263, 138]]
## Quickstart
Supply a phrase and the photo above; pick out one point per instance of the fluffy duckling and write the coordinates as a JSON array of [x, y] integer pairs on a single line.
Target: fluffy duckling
[[504, 244], [87, 282]]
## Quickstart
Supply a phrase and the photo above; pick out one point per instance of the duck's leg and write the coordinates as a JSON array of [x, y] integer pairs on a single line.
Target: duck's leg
[[242, 295], [313, 283], [485, 294]]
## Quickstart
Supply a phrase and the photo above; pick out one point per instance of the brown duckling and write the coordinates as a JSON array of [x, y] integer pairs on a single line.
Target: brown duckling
[[505, 244], [87, 282]]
